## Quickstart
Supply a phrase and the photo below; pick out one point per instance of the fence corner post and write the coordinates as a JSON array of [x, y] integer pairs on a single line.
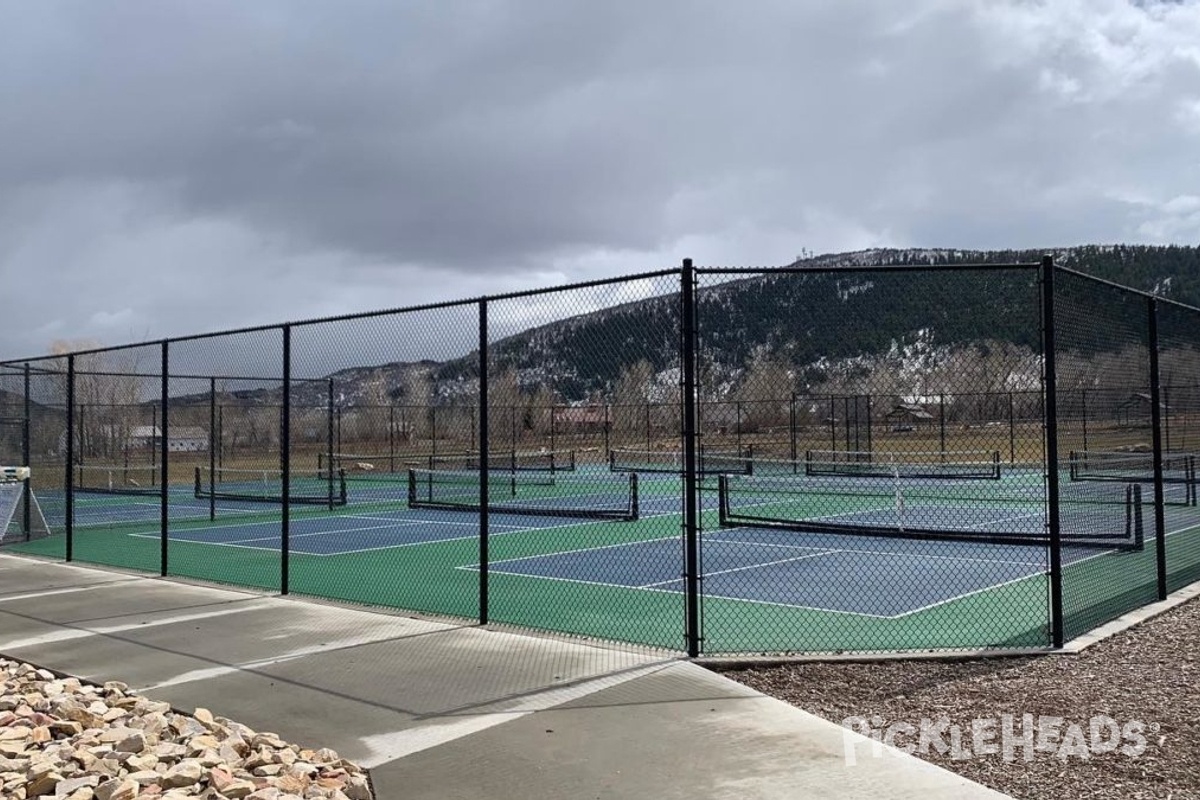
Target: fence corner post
[[693, 632], [1049, 386]]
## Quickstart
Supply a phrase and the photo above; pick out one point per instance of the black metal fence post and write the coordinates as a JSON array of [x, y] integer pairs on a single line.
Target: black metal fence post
[[693, 632], [81, 455], [69, 482], [792, 428], [1012, 431], [26, 454], [214, 441], [391, 436], [870, 440], [832, 423], [738, 429], [332, 464], [649, 446], [1084, 411], [1050, 423], [220, 436], [1166, 403], [942, 423], [485, 455], [1160, 528], [164, 448], [285, 461]]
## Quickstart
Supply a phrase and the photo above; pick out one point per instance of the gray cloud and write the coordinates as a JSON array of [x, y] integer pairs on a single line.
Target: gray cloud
[[172, 167]]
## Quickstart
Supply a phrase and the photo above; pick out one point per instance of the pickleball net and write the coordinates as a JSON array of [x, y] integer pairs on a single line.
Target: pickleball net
[[593, 496], [119, 479], [1100, 515], [267, 486]]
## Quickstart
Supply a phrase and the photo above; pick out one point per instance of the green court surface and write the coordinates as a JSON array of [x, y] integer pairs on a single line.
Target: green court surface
[[762, 590]]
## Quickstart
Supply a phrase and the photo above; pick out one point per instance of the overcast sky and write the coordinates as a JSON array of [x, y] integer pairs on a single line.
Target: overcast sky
[[174, 167]]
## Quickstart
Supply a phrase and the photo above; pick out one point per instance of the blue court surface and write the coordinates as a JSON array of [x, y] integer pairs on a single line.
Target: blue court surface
[[816, 571], [870, 576]]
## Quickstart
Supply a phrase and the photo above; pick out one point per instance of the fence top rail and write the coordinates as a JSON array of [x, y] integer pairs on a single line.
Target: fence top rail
[[1128, 289], [172, 375], [831, 268], [283, 326]]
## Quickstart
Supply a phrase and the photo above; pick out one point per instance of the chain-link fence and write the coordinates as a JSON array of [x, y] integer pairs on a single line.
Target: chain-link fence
[[708, 460], [888, 499]]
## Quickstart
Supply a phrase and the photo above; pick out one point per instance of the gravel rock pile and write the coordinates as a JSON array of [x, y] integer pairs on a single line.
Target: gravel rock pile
[[1146, 676], [63, 738]]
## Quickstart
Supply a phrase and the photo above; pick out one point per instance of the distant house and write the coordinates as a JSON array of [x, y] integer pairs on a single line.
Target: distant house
[[720, 418], [187, 440], [1134, 411], [141, 436], [581, 418], [908, 417], [180, 439]]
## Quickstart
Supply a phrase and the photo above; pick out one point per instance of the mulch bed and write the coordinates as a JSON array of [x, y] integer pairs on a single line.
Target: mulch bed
[[1145, 678]]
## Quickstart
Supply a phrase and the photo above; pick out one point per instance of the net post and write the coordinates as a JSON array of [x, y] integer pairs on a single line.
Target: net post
[[1050, 426], [484, 447], [723, 500], [1160, 546], [285, 462], [635, 506], [213, 435], [69, 485], [693, 632], [164, 463]]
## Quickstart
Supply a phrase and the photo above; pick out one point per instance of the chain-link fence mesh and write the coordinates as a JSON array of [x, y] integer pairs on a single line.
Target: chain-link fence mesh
[[868, 451], [116, 472], [1102, 353], [587, 448], [870, 488], [224, 435], [1179, 377], [403, 394]]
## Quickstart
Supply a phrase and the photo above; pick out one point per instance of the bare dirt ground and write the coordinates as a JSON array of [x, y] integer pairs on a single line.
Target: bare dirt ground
[[1135, 699]]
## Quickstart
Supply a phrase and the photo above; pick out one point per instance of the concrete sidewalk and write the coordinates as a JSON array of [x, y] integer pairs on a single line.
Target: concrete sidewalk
[[438, 710]]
